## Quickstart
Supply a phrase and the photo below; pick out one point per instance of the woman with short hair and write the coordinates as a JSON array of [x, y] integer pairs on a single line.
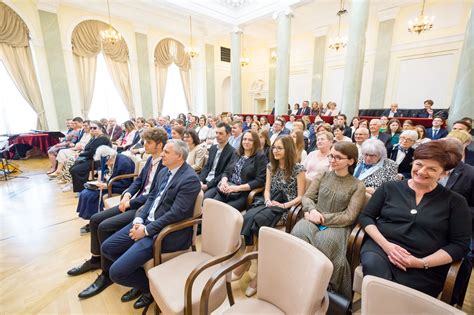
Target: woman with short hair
[[338, 131], [402, 153], [417, 227], [197, 152], [317, 161], [374, 168], [202, 129]]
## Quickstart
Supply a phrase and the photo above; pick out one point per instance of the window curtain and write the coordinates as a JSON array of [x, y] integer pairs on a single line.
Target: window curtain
[[86, 45], [167, 51], [16, 55]]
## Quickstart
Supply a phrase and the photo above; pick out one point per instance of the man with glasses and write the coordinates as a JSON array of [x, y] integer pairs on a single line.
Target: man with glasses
[[360, 135], [402, 153], [277, 130]]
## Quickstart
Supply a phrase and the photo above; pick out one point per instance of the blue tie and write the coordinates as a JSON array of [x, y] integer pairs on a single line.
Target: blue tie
[[163, 183]]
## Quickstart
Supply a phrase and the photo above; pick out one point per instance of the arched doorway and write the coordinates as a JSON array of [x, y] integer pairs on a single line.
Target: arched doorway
[[226, 96]]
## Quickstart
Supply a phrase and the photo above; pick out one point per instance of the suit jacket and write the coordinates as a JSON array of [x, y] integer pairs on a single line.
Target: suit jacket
[[114, 133], [253, 172], [387, 112], [224, 160], [138, 185], [91, 147], [404, 167], [123, 165], [176, 204], [386, 139], [347, 132], [304, 111], [461, 181], [441, 133], [284, 131]]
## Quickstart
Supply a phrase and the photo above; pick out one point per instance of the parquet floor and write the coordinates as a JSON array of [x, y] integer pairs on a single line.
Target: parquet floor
[[40, 241]]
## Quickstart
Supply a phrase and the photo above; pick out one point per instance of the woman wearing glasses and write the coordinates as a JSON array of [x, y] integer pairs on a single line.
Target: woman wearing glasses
[[374, 168], [331, 206]]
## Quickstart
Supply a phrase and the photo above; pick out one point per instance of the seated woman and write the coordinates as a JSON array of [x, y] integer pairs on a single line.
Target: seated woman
[[317, 161], [197, 151], [130, 138], [338, 131], [375, 168], [245, 172], [264, 123], [72, 137], [417, 227], [298, 138], [117, 164], [82, 165], [202, 129], [402, 153], [284, 188], [394, 130], [265, 143], [422, 138], [177, 132], [331, 205]]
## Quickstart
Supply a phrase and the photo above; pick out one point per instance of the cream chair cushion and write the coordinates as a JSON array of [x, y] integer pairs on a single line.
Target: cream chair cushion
[[358, 276], [112, 202], [253, 306], [380, 296]]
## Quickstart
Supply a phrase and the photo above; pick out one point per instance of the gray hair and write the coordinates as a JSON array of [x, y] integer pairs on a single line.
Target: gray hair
[[374, 146], [104, 150], [180, 147], [412, 134], [365, 130]]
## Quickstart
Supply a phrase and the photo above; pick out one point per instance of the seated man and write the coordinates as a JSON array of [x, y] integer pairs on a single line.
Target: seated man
[[436, 131], [172, 200], [220, 155], [107, 222]]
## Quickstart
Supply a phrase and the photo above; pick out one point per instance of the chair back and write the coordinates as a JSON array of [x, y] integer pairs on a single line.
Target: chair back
[[292, 274], [139, 165], [380, 296], [221, 226]]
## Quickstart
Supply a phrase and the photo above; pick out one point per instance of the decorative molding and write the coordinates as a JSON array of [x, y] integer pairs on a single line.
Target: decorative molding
[[141, 28], [236, 29], [286, 11], [388, 14], [427, 43], [50, 6], [321, 31]]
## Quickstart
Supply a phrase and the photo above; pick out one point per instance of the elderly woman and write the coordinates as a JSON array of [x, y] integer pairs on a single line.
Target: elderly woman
[[115, 165], [417, 227], [317, 162], [331, 206], [197, 152], [402, 153], [375, 168], [245, 172]]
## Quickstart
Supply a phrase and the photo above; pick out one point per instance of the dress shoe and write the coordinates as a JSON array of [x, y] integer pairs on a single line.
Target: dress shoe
[[144, 301], [99, 285], [131, 295], [85, 229], [85, 267]]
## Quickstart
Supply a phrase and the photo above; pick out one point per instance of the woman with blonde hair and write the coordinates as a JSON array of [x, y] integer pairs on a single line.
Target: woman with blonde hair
[[298, 138]]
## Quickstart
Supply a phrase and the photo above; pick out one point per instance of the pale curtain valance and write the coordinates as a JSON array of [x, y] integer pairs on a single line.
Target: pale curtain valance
[[16, 55], [87, 42], [86, 45], [169, 51], [13, 31]]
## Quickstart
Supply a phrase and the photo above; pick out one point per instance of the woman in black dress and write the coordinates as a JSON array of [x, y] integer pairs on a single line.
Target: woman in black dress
[[417, 227]]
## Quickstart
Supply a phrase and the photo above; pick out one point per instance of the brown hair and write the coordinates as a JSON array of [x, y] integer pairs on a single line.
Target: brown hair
[[158, 135], [264, 133], [326, 126], [443, 152], [465, 123], [179, 129], [290, 156], [350, 150], [391, 121], [255, 146], [299, 144]]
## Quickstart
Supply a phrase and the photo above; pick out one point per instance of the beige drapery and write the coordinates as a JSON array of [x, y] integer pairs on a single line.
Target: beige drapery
[[167, 51], [18, 60], [86, 45]]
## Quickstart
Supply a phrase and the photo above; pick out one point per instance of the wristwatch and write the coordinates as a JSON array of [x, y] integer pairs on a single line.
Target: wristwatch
[[425, 263]]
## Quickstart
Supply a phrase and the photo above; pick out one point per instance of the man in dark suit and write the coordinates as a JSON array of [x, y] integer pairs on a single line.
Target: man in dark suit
[[278, 130], [374, 127], [114, 131], [392, 111], [402, 153], [220, 155], [107, 222], [436, 132], [305, 109], [172, 200]]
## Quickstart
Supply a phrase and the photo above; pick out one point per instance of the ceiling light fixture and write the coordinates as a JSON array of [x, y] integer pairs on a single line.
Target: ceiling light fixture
[[421, 23], [339, 41], [191, 51], [235, 3], [110, 35], [244, 60]]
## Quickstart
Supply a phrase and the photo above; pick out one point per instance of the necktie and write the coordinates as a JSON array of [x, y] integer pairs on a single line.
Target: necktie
[[403, 150], [435, 132], [163, 183]]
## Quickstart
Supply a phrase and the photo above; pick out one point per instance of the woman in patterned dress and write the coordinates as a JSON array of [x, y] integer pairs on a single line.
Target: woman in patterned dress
[[331, 206]]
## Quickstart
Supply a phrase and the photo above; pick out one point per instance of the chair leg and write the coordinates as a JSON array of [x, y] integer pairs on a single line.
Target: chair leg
[[230, 295]]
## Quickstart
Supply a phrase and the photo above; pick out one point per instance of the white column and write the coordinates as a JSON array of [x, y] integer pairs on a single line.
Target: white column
[[235, 71], [283, 61], [354, 64]]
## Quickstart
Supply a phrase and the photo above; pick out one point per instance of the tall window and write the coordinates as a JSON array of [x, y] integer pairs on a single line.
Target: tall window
[[106, 102], [16, 115], [174, 101]]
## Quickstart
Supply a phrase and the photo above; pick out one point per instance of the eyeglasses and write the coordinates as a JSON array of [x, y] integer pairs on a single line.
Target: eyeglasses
[[406, 139], [94, 128], [337, 158], [369, 155], [274, 148]]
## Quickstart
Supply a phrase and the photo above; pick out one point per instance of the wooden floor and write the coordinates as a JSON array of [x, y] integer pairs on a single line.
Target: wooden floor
[[40, 241]]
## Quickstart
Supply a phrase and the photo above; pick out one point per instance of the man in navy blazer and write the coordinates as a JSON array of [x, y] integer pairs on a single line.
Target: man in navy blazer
[[392, 111], [305, 109], [107, 222], [436, 132], [172, 200]]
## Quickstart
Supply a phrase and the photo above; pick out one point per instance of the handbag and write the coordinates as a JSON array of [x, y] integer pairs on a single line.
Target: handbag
[[229, 196], [338, 304], [90, 186]]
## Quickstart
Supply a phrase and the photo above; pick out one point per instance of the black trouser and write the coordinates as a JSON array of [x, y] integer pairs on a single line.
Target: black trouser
[[103, 225], [239, 203], [80, 174]]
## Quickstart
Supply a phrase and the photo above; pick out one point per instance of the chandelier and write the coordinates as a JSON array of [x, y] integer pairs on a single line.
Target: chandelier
[[234, 3], [421, 23], [244, 60], [339, 41], [110, 35], [191, 51]]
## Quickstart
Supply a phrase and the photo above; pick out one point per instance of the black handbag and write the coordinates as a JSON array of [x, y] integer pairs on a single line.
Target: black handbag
[[231, 196], [338, 304]]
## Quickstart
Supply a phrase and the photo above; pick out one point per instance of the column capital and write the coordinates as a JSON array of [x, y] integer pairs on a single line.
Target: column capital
[[388, 14], [321, 31], [236, 29], [286, 11], [140, 28], [50, 6]]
